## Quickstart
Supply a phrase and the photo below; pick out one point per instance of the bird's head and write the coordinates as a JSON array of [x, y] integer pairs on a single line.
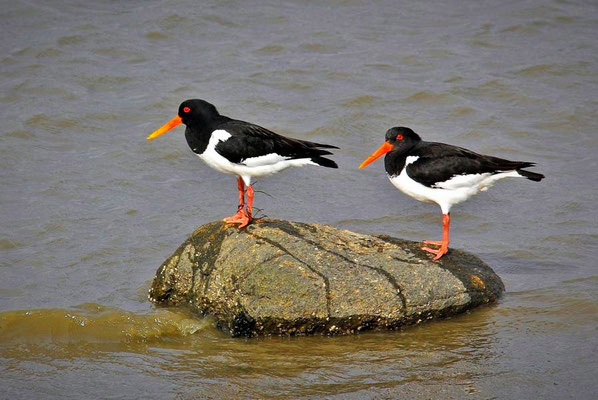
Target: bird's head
[[191, 112], [398, 138]]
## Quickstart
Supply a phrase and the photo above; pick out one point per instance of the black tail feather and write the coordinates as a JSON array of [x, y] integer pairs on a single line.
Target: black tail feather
[[314, 145], [533, 176], [324, 162], [326, 146]]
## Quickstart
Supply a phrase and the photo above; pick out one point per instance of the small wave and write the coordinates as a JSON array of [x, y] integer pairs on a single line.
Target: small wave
[[50, 124], [269, 49], [319, 48], [574, 69], [93, 323], [70, 40], [426, 97], [359, 101], [156, 36]]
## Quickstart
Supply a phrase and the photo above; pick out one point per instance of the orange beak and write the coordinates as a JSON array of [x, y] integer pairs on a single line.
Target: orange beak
[[166, 127], [385, 148]]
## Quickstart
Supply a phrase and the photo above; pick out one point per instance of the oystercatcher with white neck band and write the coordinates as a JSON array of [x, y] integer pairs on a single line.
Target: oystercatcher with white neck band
[[242, 149], [442, 174]]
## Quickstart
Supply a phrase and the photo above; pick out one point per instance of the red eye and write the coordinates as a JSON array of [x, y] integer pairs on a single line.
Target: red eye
[[186, 109], [399, 137]]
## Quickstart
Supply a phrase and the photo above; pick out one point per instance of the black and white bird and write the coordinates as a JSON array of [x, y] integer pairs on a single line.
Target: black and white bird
[[442, 174], [242, 149]]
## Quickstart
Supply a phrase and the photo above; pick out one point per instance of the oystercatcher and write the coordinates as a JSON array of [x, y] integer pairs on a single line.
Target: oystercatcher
[[441, 173], [242, 148]]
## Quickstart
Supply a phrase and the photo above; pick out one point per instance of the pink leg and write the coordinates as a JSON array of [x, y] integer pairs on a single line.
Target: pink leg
[[240, 215], [249, 214], [446, 224]]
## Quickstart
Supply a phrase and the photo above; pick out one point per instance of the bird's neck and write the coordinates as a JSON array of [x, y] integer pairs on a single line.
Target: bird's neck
[[198, 133], [198, 138], [395, 160]]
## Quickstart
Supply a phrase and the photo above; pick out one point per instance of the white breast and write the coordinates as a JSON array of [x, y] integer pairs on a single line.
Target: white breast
[[211, 157]]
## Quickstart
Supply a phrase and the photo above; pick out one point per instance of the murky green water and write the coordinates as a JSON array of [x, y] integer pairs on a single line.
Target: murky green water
[[90, 210]]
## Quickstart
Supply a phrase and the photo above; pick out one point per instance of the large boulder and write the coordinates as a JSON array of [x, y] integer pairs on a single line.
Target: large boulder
[[279, 278]]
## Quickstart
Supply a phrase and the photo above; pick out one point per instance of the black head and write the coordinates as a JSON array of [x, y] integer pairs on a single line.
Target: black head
[[401, 137], [196, 111], [397, 139]]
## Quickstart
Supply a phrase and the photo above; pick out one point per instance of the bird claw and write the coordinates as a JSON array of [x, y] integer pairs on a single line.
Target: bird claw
[[234, 218], [239, 218], [242, 222], [434, 242], [437, 252]]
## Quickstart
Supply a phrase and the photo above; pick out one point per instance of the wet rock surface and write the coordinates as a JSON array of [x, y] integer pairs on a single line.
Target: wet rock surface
[[283, 278]]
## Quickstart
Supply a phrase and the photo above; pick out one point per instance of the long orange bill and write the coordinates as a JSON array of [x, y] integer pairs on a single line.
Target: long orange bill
[[166, 127], [385, 148]]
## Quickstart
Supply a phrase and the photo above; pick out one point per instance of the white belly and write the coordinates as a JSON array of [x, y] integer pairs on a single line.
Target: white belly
[[256, 166], [445, 198], [448, 193]]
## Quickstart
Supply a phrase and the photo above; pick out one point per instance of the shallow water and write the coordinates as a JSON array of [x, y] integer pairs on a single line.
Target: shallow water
[[90, 209]]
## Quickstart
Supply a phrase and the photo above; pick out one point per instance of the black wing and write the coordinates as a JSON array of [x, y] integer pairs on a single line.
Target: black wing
[[248, 140], [439, 162]]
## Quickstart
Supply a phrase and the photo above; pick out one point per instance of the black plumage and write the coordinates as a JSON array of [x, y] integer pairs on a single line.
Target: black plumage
[[439, 162], [247, 140]]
